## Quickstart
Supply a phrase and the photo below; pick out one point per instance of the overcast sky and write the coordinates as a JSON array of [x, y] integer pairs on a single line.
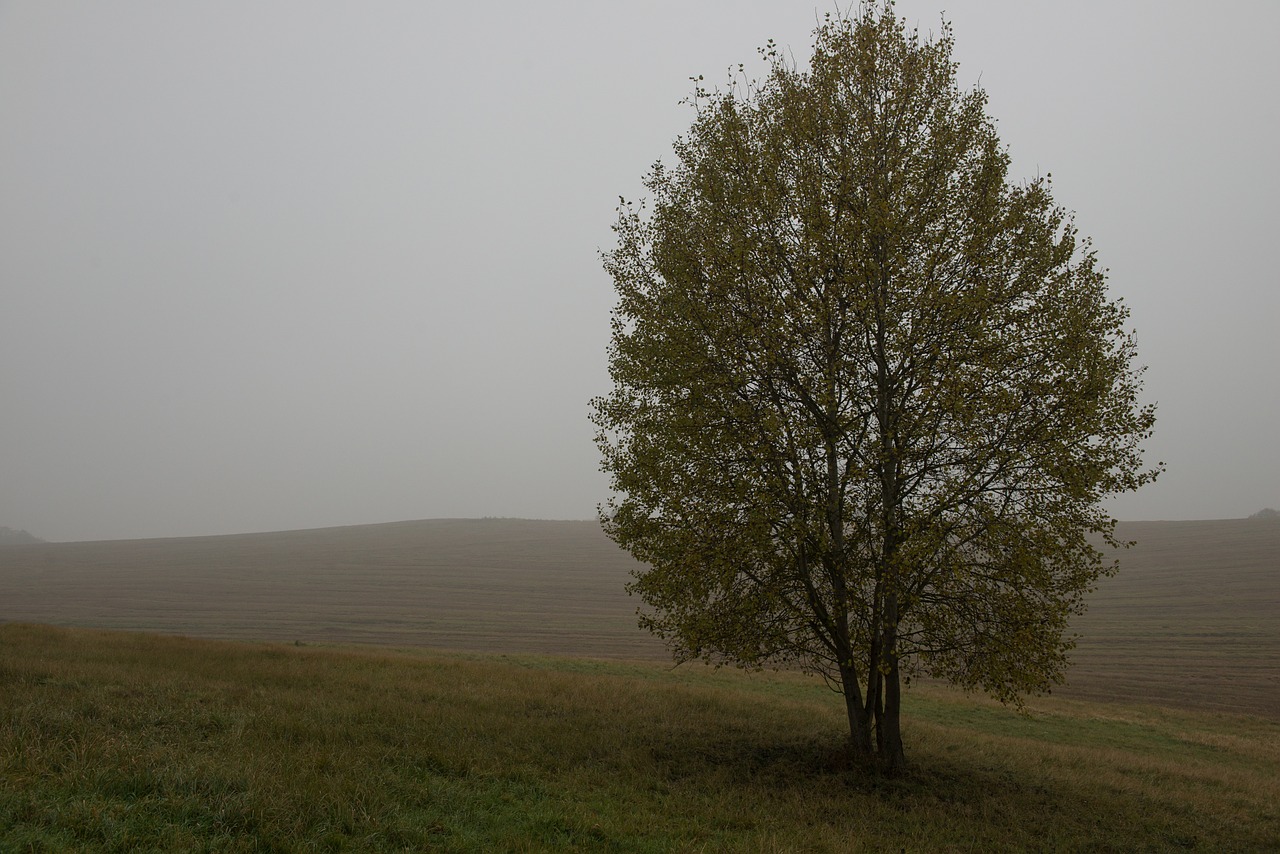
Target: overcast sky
[[270, 265]]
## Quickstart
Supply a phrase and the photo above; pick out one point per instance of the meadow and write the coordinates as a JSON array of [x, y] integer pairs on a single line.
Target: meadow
[[117, 741], [480, 685]]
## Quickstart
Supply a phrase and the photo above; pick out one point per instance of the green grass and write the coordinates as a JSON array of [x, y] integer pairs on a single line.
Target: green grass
[[129, 742]]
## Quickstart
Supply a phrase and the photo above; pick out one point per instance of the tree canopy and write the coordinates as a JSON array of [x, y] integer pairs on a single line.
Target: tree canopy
[[868, 393]]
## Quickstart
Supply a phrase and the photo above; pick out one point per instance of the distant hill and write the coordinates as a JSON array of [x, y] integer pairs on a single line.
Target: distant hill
[[1192, 619], [8, 536], [1266, 513]]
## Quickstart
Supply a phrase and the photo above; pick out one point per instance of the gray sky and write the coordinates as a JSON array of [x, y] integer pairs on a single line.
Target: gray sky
[[270, 265]]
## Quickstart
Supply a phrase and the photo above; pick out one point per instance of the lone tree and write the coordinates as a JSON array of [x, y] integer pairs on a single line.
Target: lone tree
[[867, 393]]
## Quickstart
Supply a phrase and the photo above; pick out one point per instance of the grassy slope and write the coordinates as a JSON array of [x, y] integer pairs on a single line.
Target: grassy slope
[[113, 741]]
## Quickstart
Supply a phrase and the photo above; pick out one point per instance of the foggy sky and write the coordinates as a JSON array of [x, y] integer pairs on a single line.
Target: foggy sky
[[297, 264]]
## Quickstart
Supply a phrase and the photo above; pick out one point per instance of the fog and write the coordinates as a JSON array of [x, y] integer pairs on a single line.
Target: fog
[[297, 264]]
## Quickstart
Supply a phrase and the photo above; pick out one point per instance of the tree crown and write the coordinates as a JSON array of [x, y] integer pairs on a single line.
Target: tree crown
[[868, 393]]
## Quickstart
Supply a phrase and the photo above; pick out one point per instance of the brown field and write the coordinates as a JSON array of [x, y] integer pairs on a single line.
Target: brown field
[[1192, 620]]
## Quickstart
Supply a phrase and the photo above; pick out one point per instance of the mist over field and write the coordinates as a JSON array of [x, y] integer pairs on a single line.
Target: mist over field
[[280, 266], [1190, 621], [314, 389]]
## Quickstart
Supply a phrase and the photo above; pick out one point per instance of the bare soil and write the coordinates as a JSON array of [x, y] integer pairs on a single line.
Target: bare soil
[[1191, 620]]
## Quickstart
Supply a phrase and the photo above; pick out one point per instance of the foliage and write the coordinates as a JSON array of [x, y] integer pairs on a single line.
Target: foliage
[[868, 394]]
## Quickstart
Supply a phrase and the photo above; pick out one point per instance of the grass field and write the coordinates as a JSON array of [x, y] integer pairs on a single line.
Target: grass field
[[1192, 620], [115, 741], [474, 685]]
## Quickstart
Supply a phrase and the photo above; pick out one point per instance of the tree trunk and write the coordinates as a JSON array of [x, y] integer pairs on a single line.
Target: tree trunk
[[888, 718], [859, 720], [889, 730]]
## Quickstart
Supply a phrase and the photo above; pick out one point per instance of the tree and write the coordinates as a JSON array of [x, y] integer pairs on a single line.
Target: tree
[[867, 393]]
